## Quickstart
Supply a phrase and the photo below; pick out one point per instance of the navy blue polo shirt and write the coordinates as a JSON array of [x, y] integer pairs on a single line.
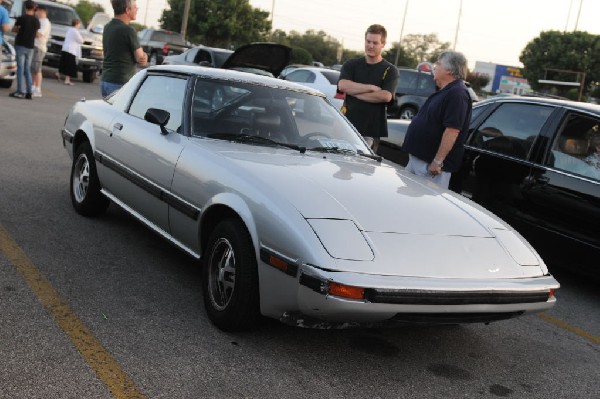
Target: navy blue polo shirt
[[449, 107]]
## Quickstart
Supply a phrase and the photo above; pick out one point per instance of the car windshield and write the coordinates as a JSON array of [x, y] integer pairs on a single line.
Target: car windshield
[[61, 16], [236, 111]]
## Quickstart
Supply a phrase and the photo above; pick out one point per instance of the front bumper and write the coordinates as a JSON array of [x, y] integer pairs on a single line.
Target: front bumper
[[415, 300]]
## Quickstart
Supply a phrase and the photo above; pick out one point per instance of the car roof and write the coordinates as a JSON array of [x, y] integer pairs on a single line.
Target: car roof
[[542, 100], [242, 77]]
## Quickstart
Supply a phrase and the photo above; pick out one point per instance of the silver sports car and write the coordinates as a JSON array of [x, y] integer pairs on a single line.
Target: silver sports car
[[291, 213]]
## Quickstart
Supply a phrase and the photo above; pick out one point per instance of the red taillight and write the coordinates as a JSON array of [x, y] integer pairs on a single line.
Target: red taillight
[[339, 95], [165, 49]]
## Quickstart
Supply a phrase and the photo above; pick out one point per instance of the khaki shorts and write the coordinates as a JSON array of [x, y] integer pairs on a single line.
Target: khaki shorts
[[37, 60]]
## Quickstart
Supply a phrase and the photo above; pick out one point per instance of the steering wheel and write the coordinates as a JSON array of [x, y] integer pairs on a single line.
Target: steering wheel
[[312, 135]]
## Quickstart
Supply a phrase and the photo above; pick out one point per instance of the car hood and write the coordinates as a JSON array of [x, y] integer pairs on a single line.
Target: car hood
[[351, 188], [270, 57], [365, 211]]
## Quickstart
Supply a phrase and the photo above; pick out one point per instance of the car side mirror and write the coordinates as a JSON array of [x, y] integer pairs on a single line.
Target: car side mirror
[[158, 117]]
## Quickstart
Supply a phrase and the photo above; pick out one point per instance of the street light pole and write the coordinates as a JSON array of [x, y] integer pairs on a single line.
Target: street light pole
[[457, 25], [184, 20], [401, 32], [578, 13]]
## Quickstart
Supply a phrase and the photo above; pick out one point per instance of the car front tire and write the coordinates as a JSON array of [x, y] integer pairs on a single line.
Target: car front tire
[[230, 278], [85, 186]]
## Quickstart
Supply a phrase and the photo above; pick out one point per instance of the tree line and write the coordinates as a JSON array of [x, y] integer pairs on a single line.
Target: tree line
[[232, 23]]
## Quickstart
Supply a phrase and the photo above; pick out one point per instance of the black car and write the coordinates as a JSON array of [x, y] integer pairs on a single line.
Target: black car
[[413, 88], [534, 162], [158, 44]]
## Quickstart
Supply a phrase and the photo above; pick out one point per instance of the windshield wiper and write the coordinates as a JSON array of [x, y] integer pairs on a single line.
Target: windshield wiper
[[346, 151], [248, 138], [378, 158], [333, 150]]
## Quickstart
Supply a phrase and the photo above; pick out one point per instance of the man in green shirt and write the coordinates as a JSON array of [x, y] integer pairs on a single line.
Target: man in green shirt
[[122, 50]]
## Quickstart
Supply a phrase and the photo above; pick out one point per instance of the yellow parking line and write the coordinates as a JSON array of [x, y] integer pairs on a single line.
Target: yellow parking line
[[97, 357], [568, 327]]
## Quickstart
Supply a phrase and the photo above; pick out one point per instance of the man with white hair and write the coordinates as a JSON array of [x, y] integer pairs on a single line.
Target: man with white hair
[[435, 137]]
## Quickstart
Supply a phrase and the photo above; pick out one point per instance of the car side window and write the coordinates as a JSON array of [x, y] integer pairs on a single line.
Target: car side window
[[162, 92], [407, 80], [189, 56], [576, 149], [202, 55], [511, 129], [301, 77]]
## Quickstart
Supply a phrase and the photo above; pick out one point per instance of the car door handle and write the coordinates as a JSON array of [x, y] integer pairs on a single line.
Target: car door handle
[[117, 127]]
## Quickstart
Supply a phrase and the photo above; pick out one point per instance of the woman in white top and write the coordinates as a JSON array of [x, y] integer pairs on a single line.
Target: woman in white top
[[71, 52]]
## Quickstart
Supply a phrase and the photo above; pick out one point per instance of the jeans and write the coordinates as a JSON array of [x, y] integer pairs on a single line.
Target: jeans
[[107, 88], [24, 57]]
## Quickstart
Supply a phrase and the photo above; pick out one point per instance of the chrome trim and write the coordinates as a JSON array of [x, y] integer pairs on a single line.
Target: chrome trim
[[150, 187], [154, 227]]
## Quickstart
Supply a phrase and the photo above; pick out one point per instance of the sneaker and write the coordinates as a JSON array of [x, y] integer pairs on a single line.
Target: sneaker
[[16, 94], [28, 96], [37, 92]]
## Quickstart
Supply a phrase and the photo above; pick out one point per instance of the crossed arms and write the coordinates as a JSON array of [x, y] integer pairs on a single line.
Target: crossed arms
[[365, 92]]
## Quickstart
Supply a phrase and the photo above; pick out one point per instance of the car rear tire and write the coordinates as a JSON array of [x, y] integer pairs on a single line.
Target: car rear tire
[[230, 278], [85, 186], [408, 113], [6, 83]]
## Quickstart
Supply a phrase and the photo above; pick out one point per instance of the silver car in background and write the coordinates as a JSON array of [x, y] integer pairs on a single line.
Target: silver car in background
[[291, 214]]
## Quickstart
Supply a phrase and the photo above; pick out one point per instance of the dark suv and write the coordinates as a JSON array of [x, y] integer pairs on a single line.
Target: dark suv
[[411, 92], [158, 44], [61, 17]]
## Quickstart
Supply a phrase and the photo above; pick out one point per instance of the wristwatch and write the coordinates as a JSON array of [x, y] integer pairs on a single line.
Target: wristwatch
[[438, 163]]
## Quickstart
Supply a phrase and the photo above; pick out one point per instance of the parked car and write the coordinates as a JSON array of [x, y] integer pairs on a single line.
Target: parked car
[[159, 43], [61, 16], [525, 161], [267, 59], [200, 55], [8, 66], [278, 205], [322, 79], [413, 88]]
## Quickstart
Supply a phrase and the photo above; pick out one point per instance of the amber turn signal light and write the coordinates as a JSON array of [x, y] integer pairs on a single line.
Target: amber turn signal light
[[346, 291]]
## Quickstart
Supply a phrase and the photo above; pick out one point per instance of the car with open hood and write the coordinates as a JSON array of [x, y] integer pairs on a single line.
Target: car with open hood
[[258, 58], [288, 211]]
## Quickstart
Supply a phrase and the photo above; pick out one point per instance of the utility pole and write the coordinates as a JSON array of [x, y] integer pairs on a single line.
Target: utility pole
[[457, 25], [184, 20], [578, 13], [401, 32]]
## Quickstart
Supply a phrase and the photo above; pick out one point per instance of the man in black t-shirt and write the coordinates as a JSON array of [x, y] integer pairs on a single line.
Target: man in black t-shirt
[[26, 26], [369, 83]]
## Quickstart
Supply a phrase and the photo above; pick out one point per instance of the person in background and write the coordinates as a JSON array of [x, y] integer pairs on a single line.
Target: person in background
[[39, 52], [594, 158], [3, 26], [369, 83], [122, 50], [26, 26], [435, 137], [71, 52]]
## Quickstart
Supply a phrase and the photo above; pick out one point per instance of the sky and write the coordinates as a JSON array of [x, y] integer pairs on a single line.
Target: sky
[[488, 30]]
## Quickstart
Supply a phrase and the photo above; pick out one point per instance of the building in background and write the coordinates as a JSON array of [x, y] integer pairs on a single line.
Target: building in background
[[503, 78]]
